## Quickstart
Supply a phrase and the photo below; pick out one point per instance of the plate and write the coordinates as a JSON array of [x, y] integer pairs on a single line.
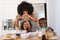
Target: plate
[[53, 38], [8, 38]]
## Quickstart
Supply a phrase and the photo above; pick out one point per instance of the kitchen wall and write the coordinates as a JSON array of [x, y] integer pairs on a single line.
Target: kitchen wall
[[57, 17], [53, 8], [8, 10], [54, 14]]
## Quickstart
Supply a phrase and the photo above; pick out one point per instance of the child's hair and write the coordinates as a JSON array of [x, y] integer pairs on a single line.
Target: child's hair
[[41, 19], [25, 6]]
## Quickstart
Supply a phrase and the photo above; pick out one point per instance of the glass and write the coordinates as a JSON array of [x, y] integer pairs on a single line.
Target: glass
[[18, 34], [5, 24], [43, 29]]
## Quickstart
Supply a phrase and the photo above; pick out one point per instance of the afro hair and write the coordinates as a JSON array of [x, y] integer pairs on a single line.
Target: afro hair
[[25, 6]]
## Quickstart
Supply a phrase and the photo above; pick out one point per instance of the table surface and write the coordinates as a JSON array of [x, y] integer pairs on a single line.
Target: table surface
[[30, 38]]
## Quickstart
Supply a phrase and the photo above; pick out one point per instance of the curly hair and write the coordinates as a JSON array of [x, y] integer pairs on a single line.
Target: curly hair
[[41, 19], [25, 6]]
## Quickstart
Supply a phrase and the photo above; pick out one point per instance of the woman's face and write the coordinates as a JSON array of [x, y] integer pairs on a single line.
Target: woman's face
[[25, 12]]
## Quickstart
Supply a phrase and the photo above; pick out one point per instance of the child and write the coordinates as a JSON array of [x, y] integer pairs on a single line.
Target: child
[[26, 25], [43, 24]]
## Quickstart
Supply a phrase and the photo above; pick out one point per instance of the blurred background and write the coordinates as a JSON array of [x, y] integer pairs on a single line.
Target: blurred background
[[8, 10]]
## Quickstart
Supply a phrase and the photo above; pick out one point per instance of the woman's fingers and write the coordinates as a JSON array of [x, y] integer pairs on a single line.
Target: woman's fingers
[[25, 17], [18, 16]]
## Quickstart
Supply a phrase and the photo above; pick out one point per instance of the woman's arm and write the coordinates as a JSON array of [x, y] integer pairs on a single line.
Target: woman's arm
[[33, 17], [16, 22]]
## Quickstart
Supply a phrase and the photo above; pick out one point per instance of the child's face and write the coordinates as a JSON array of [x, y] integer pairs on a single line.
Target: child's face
[[42, 23], [26, 24]]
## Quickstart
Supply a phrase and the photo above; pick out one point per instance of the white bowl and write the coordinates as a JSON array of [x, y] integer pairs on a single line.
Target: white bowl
[[25, 35], [23, 31], [33, 33], [40, 34]]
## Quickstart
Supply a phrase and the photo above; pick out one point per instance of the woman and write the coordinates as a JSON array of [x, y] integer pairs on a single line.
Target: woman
[[25, 13]]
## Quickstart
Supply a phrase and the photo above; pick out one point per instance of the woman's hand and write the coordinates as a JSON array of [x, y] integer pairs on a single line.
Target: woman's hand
[[25, 17], [32, 17], [18, 17]]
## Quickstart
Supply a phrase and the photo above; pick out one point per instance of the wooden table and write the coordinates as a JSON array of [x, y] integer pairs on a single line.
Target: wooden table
[[30, 38]]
